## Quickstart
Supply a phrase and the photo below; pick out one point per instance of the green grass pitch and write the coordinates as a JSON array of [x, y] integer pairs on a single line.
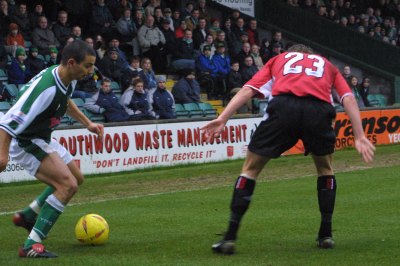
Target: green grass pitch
[[171, 216]]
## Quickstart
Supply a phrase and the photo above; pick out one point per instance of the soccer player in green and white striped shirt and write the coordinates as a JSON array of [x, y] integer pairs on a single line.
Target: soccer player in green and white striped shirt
[[25, 135]]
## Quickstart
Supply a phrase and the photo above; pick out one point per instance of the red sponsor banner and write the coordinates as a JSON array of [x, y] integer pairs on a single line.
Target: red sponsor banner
[[381, 127]]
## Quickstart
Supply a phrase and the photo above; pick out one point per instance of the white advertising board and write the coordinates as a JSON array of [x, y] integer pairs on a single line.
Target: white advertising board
[[244, 6], [133, 147]]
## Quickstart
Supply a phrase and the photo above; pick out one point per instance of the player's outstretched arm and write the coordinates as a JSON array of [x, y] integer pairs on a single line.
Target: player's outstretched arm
[[364, 147], [214, 128], [74, 112]]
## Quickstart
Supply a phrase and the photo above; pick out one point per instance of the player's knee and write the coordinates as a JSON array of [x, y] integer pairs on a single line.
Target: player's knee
[[69, 186]]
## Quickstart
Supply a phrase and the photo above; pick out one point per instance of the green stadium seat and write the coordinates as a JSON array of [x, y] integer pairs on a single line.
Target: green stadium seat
[[115, 87], [3, 75], [4, 107], [180, 111], [79, 102], [194, 110], [12, 89], [41, 57], [373, 101], [208, 110], [98, 118], [381, 99], [28, 44]]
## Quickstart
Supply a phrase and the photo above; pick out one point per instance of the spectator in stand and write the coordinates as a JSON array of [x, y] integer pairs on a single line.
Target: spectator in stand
[[5, 17], [176, 18], [162, 103], [167, 12], [243, 53], [61, 29], [33, 63], [238, 44], [87, 87], [138, 18], [152, 41], [76, 33], [102, 20], [276, 50], [187, 11], [14, 40], [53, 59], [111, 65], [158, 17], [170, 40], [214, 27], [252, 31], [322, 11], [210, 42], [119, 10], [221, 39], [193, 20], [207, 72], [135, 101], [276, 38], [265, 50], [180, 30], [249, 69], [200, 33], [149, 10], [90, 41], [21, 18], [364, 91], [229, 36], [235, 15], [34, 16], [185, 54], [147, 75], [186, 89], [18, 73], [347, 73], [43, 38], [114, 43], [133, 71], [106, 102], [354, 86], [234, 79], [238, 28], [255, 53], [222, 61], [203, 9]]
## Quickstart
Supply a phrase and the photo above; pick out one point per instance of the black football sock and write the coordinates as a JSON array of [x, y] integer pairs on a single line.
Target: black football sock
[[326, 186], [241, 199]]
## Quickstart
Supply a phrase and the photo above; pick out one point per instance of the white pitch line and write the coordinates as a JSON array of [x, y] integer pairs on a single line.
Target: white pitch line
[[185, 190]]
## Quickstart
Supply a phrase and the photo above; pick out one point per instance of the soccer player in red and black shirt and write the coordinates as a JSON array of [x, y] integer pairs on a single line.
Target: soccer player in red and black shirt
[[298, 84]]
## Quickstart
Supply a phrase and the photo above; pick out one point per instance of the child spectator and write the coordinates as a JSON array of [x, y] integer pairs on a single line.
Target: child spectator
[[18, 73], [14, 39], [33, 62], [147, 75], [53, 59]]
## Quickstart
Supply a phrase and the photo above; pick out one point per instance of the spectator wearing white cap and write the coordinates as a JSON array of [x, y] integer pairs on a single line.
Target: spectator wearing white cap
[[162, 103]]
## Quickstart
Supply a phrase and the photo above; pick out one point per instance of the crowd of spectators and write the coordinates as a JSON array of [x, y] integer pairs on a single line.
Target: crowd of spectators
[[379, 19], [133, 39]]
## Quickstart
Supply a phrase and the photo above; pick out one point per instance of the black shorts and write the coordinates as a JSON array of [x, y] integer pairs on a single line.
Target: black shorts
[[292, 118]]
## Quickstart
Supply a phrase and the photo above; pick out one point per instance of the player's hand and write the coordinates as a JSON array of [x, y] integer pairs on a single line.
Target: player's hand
[[97, 129], [213, 128], [365, 148]]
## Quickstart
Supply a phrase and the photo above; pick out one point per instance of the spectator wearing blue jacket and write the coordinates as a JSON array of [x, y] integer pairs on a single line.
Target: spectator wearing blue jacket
[[18, 73], [162, 102], [135, 101], [207, 72], [106, 102], [222, 61]]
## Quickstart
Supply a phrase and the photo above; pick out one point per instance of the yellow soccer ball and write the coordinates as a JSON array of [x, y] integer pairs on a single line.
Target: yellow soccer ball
[[92, 229]]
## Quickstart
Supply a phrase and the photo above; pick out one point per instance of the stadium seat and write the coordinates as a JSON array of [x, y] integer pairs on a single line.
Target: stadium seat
[[373, 101], [4, 107], [3, 75], [381, 99], [181, 112], [98, 118], [12, 89], [208, 110], [79, 102], [40, 57], [28, 44], [194, 110], [115, 87]]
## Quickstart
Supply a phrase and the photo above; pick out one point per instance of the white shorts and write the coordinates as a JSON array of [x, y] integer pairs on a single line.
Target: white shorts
[[30, 160]]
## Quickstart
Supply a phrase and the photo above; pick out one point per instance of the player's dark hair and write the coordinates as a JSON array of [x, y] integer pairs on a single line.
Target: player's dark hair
[[301, 48], [76, 50]]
